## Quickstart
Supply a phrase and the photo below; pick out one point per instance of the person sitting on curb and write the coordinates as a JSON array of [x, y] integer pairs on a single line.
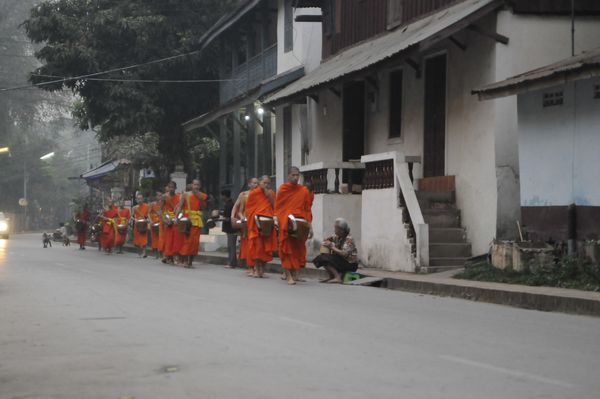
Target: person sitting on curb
[[343, 255]]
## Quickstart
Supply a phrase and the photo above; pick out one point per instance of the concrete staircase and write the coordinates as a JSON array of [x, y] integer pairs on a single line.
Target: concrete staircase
[[448, 246]]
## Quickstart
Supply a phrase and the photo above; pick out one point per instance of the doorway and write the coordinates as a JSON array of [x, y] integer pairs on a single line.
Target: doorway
[[353, 142], [434, 151]]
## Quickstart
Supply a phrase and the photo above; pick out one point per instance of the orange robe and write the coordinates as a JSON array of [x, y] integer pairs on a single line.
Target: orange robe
[[192, 209], [259, 247], [154, 218], [244, 239], [109, 227], [141, 212], [124, 216], [84, 216], [292, 199], [173, 239]]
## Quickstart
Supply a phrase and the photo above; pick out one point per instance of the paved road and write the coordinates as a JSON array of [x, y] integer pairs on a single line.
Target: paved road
[[79, 324]]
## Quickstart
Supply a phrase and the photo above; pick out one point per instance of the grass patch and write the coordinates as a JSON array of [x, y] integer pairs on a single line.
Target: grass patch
[[564, 273]]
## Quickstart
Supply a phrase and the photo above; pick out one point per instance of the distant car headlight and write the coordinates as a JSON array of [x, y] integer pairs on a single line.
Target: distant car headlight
[[3, 226]]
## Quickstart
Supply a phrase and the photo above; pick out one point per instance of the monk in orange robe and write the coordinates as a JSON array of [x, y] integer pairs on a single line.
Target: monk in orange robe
[[293, 199], [192, 204], [155, 225], [109, 226], [261, 202], [173, 239], [140, 227], [82, 220], [124, 217], [239, 213]]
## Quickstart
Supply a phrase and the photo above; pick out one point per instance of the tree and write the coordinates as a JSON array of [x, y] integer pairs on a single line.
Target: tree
[[81, 37]]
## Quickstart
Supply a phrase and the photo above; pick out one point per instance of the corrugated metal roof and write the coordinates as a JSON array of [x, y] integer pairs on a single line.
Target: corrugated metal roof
[[104, 169], [581, 66], [381, 48]]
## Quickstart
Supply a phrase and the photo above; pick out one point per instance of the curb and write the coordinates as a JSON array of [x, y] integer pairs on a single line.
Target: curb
[[525, 300], [518, 299]]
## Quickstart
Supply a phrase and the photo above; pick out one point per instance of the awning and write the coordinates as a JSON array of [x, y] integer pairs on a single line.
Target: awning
[[583, 66], [418, 35], [104, 169], [267, 87]]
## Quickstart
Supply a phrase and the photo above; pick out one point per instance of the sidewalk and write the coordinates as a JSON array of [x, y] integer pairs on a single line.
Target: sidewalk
[[442, 284]]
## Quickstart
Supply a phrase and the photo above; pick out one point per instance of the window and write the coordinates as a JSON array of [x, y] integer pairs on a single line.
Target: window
[[395, 110], [288, 34], [552, 99], [597, 91]]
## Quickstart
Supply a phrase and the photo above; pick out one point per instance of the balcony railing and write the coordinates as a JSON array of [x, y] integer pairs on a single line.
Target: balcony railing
[[249, 75], [334, 177]]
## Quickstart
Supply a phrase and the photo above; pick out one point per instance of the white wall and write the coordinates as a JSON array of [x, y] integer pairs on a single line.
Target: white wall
[[535, 41], [384, 241], [307, 41], [559, 147]]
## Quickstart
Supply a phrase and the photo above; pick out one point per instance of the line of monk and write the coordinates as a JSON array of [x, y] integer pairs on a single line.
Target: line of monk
[[269, 222]]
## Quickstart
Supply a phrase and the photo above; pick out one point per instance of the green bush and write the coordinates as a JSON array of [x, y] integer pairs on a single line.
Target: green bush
[[566, 272]]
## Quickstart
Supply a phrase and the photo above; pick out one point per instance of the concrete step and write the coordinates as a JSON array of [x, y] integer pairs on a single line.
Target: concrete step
[[458, 261], [446, 196], [442, 217], [449, 250], [438, 269], [447, 234]]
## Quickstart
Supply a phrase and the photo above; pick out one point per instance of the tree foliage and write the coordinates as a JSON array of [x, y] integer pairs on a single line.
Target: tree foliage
[[81, 37]]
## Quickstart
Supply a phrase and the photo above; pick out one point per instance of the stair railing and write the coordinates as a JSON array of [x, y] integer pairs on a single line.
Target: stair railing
[[405, 185]]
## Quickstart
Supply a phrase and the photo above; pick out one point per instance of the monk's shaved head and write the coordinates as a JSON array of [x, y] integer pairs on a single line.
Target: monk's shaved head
[[294, 175]]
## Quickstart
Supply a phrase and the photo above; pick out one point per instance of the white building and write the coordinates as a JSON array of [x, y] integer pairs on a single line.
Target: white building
[[393, 95], [559, 146]]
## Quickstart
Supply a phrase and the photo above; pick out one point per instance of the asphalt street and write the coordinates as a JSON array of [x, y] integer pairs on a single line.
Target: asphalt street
[[81, 324]]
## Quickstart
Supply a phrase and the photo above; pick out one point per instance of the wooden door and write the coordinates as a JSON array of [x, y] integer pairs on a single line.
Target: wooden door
[[434, 151]]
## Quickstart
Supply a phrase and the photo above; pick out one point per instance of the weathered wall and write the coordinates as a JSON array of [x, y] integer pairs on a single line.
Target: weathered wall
[[384, 242], [535, 41], [559, 147]]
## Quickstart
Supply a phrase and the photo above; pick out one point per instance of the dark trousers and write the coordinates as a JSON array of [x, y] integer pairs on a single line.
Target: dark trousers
[[232, 249]]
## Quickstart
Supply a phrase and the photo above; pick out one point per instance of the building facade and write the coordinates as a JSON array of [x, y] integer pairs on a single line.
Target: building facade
[[392, 118]]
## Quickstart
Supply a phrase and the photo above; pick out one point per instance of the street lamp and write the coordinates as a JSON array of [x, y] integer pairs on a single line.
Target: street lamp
[[4, 150]]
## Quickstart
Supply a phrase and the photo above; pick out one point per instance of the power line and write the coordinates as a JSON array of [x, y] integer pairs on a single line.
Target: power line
[[89, 75], [150, 80]]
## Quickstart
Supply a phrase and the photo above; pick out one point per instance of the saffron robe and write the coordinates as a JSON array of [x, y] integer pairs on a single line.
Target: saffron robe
[[124, 216], [109, 227], [173, 239], [243, 238], [292, 199], [192, 209], [154, 218], [84, 216], [140, 212], [259, 247]]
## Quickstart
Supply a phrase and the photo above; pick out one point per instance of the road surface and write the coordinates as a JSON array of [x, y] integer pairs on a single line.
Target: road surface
[[81, 324]]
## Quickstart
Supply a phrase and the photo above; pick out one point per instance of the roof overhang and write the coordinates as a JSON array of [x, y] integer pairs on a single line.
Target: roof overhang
[[227, 21], [267, 87], [105, 169], [583, 66], [405, 40]]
